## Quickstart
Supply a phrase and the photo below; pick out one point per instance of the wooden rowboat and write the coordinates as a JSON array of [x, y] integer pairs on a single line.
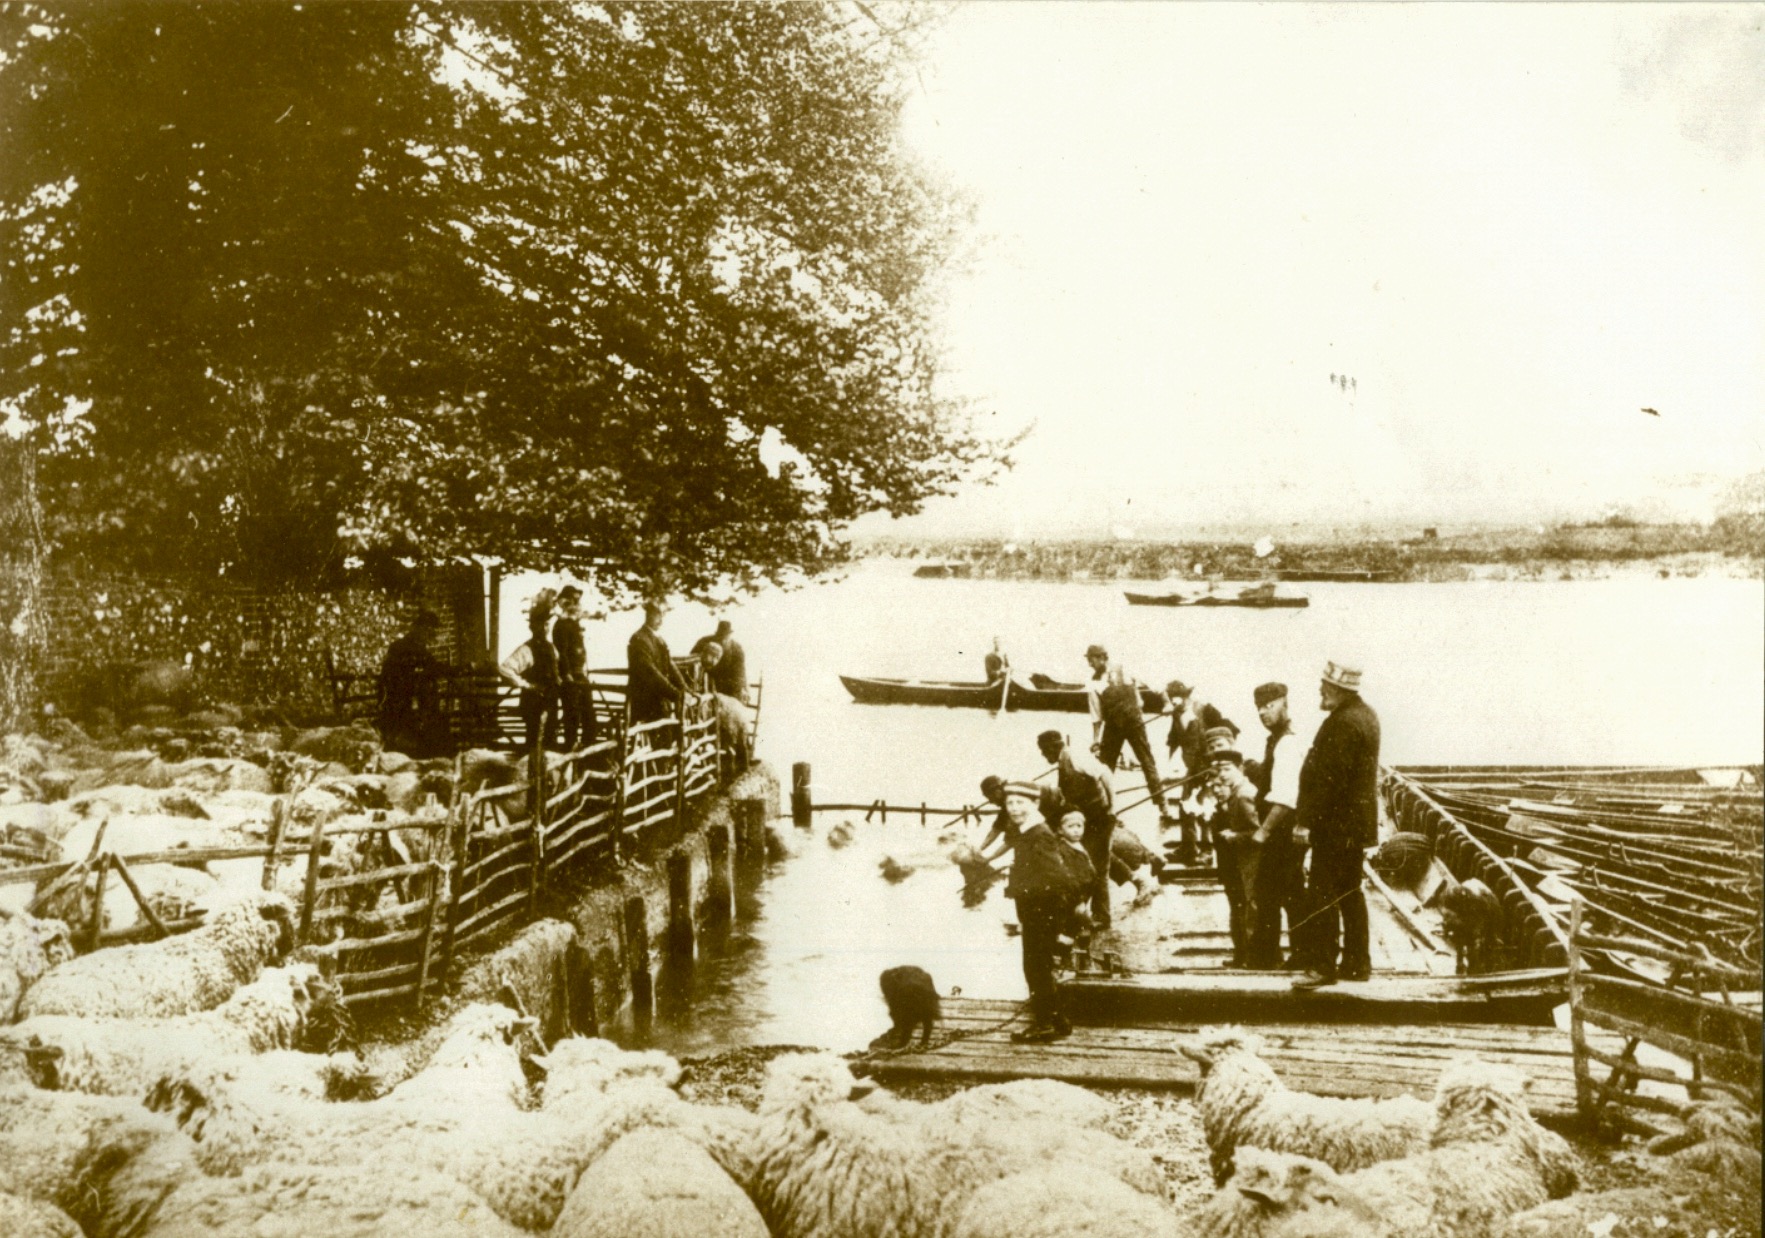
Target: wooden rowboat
[[1259, 597], [1040, 694]]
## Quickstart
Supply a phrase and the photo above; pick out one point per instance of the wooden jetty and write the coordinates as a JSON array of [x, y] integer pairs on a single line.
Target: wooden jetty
[[974, 1044]]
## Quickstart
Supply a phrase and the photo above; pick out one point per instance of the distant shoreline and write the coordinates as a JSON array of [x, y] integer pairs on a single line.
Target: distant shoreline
[[1570, 552]]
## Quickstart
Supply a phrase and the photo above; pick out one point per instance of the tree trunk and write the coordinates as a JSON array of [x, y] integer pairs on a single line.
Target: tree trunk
[[21, 583]]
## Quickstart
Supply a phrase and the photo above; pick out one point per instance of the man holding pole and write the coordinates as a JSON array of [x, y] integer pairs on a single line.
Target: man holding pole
[[1115, 720]]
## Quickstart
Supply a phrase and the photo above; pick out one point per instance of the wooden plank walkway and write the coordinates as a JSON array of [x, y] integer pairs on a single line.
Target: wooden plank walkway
[[974, 1045]]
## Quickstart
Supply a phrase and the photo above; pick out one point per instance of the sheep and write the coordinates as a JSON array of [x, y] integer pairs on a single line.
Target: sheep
[[103, 1161], [1487, 1160], [364, 1201], [29, 947], [1720, 1138], [29, 1218], [125, 1057], [1281, 1193], [1029, 1098], [194, 971], [823, 1164], [1056, 1203], [656, 1184], [1243, 1102]]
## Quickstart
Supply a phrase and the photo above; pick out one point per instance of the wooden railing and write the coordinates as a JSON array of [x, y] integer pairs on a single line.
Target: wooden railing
[[1703, 1013], [1531, 929]]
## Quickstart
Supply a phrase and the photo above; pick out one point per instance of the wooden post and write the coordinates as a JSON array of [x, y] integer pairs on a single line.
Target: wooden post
[[309, 896], [680, 759], [621, 757], [279, 813], [458, 839], [637, 959], [720, 884], [128, 879], [580, 990], [536, 875], [1585, 1100], [98, 902], [802, 803], [750, 831], [428, 932], [681, 931]]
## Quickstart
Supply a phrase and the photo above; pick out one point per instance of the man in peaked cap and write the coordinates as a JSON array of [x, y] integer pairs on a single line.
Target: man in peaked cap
[[1279, 881], [1114, 697], [1339, 812]]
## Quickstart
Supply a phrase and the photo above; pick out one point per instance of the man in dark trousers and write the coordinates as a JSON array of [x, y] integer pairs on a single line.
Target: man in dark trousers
[[1086, 787], [409, 708], [1279, 869], [1191, 719], [653, 685], [575, 708], [1339, 812], [730, 674], [1047, 879], [1115, 698]]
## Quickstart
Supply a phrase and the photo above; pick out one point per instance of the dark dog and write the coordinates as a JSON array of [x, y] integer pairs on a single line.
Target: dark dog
[[1471, 922], [912, 999]]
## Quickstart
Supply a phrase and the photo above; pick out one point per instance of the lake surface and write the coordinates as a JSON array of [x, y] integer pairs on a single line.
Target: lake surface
[[1610, 672]]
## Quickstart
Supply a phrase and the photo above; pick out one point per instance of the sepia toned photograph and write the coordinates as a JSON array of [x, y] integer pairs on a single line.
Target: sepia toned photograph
[[881, 619]]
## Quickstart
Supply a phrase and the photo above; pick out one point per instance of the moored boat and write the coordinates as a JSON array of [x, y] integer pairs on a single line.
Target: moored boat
[[1260, 597], [1039, 694]]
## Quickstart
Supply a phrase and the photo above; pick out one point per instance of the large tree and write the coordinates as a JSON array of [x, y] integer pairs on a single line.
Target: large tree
[[560, 284]]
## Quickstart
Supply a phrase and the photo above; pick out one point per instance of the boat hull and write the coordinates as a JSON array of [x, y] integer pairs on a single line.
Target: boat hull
[[1041, 695], [1216, 599]]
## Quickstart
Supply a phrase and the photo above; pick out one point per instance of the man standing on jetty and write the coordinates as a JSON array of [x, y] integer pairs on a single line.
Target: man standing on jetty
[[1086, 787], [1115, 720], [1339, 812], [653, 685], [1279, 876]]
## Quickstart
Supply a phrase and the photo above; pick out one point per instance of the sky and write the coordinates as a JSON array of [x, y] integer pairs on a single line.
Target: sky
[[1511, 227]]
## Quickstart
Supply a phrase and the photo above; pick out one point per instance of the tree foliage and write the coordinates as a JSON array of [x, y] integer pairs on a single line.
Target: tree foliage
[[550, 283]]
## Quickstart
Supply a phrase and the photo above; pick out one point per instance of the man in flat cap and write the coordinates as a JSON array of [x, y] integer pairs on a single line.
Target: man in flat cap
[[1339, 812], [1279, 877], [1115, 720]]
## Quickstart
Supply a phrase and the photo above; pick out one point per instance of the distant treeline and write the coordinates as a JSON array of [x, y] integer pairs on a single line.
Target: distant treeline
[[1422, 557]]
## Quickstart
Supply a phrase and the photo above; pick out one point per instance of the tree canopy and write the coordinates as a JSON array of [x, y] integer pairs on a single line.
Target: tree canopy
[[643, 290]]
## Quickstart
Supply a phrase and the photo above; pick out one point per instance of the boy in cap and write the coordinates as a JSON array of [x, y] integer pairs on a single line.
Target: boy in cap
[[1339, 812], [1085, 785], [1048, 878], [1191, 719], [1235, 824]]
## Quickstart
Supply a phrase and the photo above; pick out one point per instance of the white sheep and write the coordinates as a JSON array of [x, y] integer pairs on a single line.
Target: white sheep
[[1487, 1160], [1063, 1203], [126, 1057], [29, 1218], [1281, 1193], [29, 947], [193, 971], [1242, 1101], [1029, 1098], [362, 1201], [824, 1164], [655, 1183], [106, 1162]]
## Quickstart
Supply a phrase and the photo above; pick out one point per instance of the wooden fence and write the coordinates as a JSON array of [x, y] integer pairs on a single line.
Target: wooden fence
[[1704, 1013], [386, 902]]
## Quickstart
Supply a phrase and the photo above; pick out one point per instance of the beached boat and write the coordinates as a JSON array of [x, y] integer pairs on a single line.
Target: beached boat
[[1262, 597], [1039, 694]]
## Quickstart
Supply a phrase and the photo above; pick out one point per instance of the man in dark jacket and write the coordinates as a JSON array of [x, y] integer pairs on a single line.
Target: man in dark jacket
[[1086, 787], [1191, 719], [1047, 879], [1115, 702], [409, 709], [575, 704], [730, 675], [653, 685], [1339, 812]]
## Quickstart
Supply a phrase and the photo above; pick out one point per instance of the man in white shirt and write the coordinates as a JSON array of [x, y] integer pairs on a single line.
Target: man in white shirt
[[1277, 875]]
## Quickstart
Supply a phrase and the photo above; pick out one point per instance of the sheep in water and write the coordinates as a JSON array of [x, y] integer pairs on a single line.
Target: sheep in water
[[1487, 1160], [126, 1057], [194, 971], [1242, 1101], [826, 1162]]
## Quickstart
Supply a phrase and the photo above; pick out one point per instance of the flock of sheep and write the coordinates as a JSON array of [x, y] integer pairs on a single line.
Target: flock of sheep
[[160, 1090]]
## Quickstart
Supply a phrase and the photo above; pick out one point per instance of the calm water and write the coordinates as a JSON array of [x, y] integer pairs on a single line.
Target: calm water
[[1618, 671]]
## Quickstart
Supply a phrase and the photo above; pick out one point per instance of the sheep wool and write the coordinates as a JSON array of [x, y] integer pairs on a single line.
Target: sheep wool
[[193, 971], [301, 1201], [1062, 1204], [126, 1057], [105, 1162], [1487, 1161], [657, 1184], [1279, 1193], [1242, 1101], [29, 947], [27, 1218]]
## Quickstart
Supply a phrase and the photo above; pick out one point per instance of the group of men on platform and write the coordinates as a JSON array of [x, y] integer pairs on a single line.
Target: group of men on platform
[[1261, 819], [549, 670]]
